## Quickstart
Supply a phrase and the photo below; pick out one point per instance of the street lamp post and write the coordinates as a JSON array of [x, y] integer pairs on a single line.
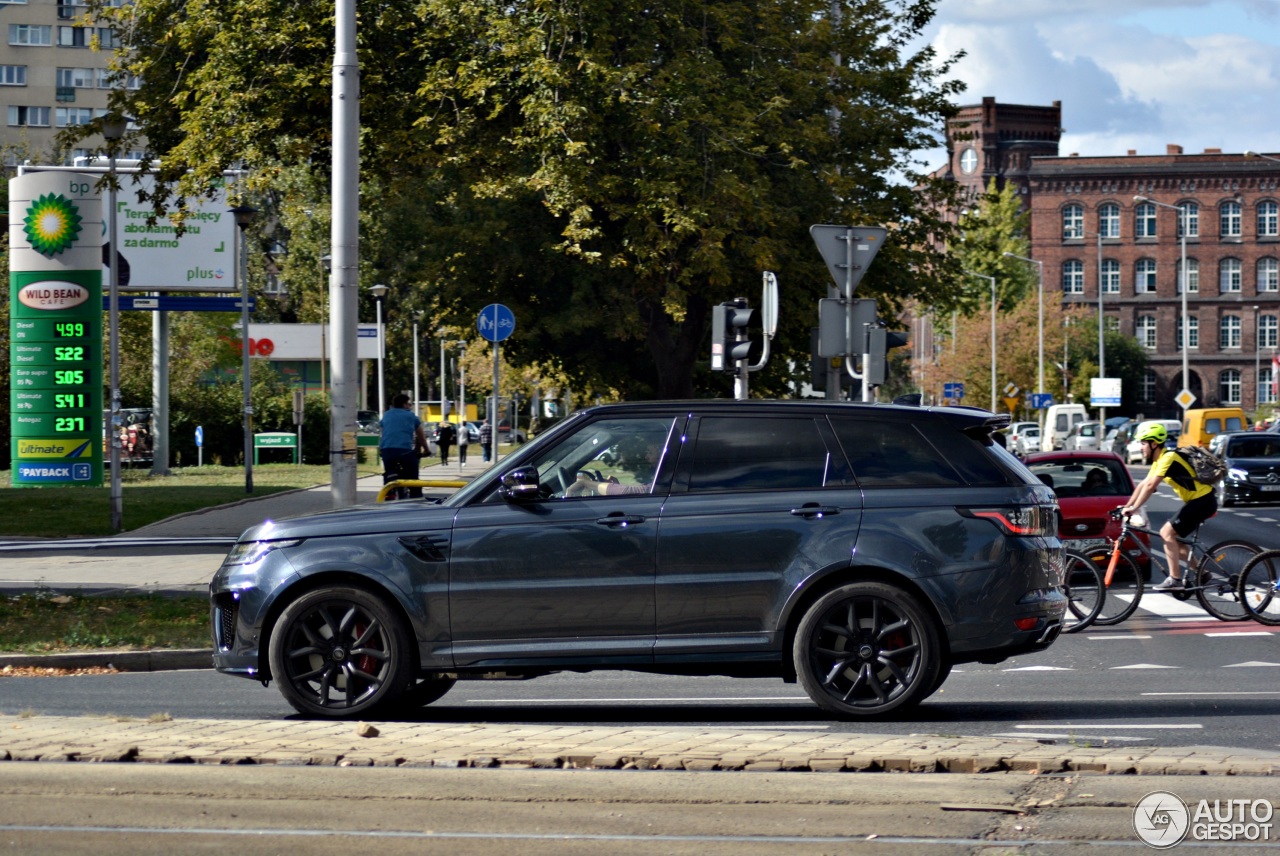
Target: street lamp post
[[1182, 284], [1257, 359], [379, 293], [244, 215], [326, 263], [992, 280], [113, 130], [417, 318], [1040, 280]]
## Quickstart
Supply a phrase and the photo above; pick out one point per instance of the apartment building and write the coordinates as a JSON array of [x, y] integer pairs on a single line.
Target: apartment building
[[1098, 240], [53, 74]]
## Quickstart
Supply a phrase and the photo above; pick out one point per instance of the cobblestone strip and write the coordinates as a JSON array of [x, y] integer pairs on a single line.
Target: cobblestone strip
[[104, 739]]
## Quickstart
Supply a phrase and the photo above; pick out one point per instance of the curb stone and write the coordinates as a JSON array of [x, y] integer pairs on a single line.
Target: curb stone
[[156, 660]]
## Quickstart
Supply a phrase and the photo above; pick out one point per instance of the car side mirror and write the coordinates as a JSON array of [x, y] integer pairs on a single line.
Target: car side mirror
[[520, 484]]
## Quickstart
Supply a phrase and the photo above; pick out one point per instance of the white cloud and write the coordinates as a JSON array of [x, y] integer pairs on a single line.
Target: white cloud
[[1131, 74]]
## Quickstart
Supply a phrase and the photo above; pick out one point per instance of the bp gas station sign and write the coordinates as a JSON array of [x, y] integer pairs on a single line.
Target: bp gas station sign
[[55, 329]]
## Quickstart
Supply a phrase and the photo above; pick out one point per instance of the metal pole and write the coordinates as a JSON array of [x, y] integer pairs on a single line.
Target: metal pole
[[117, 494], [1102, 346], [993, 343], [493, 422], [444, 406], [243, 273], [1040, 280], [382, 347], [1257, 360], [160, 392], [345, 238], [415, 364]]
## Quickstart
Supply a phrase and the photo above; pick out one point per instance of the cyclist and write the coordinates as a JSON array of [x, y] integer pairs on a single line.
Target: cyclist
[[1198, 500]]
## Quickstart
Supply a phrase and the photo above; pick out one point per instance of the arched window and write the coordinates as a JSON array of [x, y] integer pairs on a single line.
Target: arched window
[[1144, 220], [1268, 275], [1144, 276], [1229, 332], [1193, 327], [1193, 276], [1110, 276], [1229, 276], [1072, 277], [1229, 387], [1189, 219], [1268, 219], [1147, 388], [1145, 331], [1072, 222], [1267, 331], [1230, 219], [1109, 220]]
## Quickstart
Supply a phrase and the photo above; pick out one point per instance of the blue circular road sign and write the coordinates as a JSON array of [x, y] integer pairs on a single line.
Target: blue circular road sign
[[496, 322], [199, 435]]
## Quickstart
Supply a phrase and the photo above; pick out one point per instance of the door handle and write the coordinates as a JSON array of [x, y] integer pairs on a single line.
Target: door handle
[[813, 510], [618, 520]]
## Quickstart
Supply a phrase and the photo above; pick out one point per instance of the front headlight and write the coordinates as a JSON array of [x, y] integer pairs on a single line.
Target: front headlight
[[251, 552], [1237, 474]]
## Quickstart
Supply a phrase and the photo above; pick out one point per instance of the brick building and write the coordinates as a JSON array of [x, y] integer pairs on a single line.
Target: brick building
[[1089, 231]]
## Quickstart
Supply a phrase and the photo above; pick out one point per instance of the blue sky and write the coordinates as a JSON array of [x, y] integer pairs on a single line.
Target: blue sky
[[1131, 74]]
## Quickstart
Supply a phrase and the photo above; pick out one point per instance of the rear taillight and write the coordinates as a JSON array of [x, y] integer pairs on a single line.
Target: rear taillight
[[1026, 520]]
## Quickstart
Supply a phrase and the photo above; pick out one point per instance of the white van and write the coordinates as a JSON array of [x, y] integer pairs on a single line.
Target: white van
[[1058, 420]]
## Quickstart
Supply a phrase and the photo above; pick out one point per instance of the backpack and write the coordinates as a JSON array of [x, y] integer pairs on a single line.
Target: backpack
[[1208, 467]]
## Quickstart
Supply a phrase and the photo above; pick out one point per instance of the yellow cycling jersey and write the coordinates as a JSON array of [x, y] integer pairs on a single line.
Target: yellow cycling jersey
[[1179, 475]]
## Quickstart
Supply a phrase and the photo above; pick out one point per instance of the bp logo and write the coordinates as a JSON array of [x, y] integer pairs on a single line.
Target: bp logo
[[52, 224]]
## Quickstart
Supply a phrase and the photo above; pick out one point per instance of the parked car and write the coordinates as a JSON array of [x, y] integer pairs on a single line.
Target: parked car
[[368, 421], [1028, 441], [1088, 486], [1253, 467], [1084, 437], [860, 550], [1016, 430], [1133, 451]]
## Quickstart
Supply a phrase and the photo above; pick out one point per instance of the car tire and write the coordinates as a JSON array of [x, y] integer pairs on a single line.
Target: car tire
[[340, 652], [867, 649]]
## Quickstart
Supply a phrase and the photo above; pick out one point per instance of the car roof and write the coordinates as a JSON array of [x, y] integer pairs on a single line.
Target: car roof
[[1073, 456]]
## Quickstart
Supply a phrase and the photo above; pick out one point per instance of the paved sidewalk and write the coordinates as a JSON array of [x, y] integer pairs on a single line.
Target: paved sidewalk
[[396, 744]]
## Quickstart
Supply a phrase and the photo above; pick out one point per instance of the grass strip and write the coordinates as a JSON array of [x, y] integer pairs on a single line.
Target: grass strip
[[45, 623]]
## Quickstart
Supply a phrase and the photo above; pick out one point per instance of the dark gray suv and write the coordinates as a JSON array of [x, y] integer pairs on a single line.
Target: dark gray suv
[[862, 550]]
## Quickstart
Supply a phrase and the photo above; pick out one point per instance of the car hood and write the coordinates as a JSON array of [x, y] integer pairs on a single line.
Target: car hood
[[1089, 512], [402, 516], [1252, 464]]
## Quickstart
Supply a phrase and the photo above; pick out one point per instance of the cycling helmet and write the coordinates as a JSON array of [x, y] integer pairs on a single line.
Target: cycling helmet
[[1151, 431]]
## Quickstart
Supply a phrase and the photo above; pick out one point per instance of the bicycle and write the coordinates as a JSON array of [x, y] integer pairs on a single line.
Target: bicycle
[[1259, 588], [1082, 583], [1215, 576]]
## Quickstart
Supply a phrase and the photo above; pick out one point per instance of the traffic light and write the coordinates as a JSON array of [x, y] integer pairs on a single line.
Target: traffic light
[[730, 340], [879, 342]]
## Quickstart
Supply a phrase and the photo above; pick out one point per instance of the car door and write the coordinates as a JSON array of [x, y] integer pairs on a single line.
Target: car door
[[563, 575], [759, 505]]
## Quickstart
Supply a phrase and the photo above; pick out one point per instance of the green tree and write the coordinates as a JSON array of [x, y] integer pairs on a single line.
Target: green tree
[[610, 169], [994, 226]]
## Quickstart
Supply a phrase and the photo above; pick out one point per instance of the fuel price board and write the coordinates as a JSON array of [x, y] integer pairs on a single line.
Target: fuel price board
[[55, 331]]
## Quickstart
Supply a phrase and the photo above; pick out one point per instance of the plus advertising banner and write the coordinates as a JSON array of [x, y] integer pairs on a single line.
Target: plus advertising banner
[[55, 329]]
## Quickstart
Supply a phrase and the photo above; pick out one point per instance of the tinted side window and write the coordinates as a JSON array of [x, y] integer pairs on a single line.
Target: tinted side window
[[1234, 423], [758, 454], [886, 453], [1213, 426]]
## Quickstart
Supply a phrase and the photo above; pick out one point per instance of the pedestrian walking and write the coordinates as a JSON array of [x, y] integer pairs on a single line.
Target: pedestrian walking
[[401, 443], [464, 438], [486, 439], [444, 438]]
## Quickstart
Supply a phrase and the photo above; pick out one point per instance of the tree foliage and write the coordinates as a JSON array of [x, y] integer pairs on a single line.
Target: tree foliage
[[610, 169]]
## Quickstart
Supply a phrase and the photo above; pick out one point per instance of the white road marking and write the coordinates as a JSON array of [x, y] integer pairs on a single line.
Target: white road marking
[[1239, 693], [1241, 633], [574, 701], [1170, 607], [1049, 735], [1146, 666], [1249, 664], [1125, 726], [1118, 637], [1039, 669]]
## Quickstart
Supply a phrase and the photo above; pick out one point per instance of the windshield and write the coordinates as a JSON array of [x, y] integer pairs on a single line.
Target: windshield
[[1253, 447], [1084, 478]]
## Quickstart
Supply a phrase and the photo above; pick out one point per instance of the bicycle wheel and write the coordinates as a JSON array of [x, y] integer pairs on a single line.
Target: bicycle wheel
[[1125, 591], [1257, 590], [1082, 581], [1218, 579]]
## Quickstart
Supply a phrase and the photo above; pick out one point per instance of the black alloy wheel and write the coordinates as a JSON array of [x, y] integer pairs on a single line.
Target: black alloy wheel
[[867, 649], [340, 652]]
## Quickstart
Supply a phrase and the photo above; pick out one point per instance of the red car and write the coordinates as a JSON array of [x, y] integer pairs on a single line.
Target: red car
[[1089, 485]]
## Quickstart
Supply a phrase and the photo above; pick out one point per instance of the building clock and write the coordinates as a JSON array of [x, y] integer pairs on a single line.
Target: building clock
[[968, 161]]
